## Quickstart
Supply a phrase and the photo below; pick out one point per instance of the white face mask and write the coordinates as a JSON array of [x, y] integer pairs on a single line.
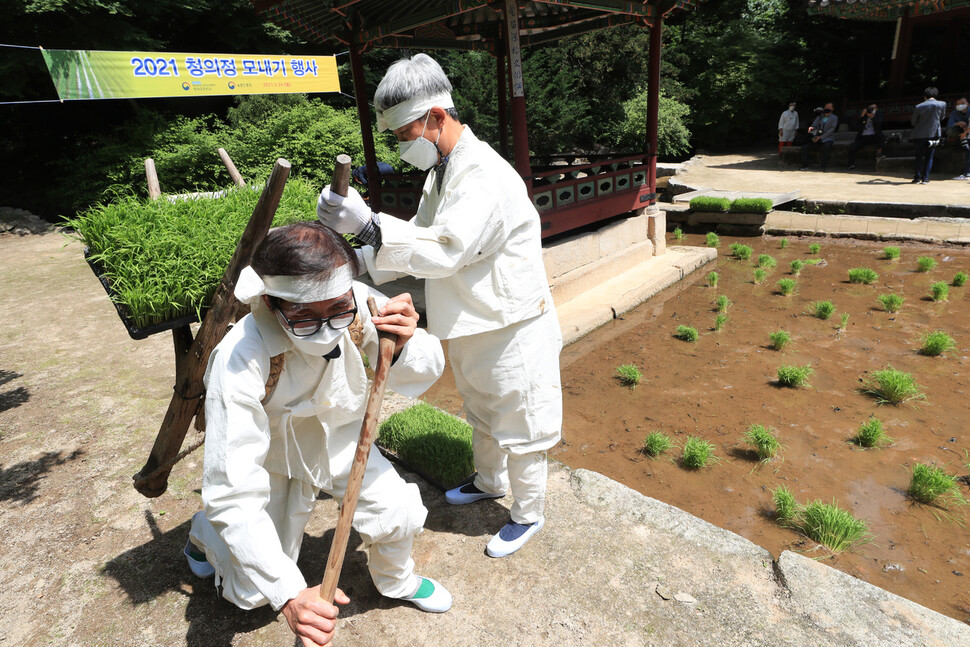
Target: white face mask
[[421, 152], [792, 108], [319, 343], [962, 107]]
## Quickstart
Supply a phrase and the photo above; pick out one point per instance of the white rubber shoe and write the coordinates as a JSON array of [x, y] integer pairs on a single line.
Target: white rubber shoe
[[468, 493], [430, 596], [512, 537]]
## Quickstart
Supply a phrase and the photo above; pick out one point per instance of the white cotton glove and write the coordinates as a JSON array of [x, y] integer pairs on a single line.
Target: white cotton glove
[[344, 215]]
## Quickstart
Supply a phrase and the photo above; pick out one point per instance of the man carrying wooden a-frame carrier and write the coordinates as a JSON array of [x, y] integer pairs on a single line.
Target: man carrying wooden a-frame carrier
[[286, 391], [476, 241]]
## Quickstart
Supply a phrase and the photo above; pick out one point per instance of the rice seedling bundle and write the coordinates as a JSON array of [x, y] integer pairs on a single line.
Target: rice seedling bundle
[[740, 251], [891, 302], [794, 376], [751, 205], [814, 248], [891, 253], [783, 243], [164, 260], [936, 343], [687, 333], [843, 320], [796, 267], [696, 453], [656, 443], [890, 386], [929, 484], [760, 275], [436, 443], [629, 374], [764, 440], [862, 275], [940, 291], [709, 203], [678, 233], [712, 279], [787, 286], [713, 240], [719, 320], [786, 508], [832, 526], [814, 261], [766, 261], [723, 303], [925, 264], [823, 309], [779, 339], [871, 433], [959, 279]]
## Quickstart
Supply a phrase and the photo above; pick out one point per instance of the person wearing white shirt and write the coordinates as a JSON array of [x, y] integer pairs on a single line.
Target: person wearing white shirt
[[787, 127], [476, 240]]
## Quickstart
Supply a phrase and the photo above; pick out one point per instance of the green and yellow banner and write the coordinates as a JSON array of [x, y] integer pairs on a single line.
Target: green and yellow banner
[[92, 74]]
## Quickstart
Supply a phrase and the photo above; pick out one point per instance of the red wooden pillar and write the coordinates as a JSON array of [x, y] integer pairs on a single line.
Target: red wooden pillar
[[520, 134], [901, 47], [502, 90], [653, 104], [363, 114]]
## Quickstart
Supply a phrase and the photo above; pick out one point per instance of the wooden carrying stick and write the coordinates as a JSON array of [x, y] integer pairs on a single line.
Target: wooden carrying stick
[[368, 433], [368, 429]]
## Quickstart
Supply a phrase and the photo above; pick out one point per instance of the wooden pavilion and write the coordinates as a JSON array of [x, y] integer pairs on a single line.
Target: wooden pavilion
[[567, 197]]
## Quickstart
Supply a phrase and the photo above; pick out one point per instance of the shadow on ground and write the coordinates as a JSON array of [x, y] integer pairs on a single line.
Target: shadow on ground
[[21, 482]]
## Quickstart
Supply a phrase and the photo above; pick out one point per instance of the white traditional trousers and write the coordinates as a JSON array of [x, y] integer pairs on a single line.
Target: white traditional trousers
[[509, 380]]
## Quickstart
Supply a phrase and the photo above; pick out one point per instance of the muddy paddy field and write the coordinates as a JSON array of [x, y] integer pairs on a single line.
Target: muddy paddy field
[[726, 381]]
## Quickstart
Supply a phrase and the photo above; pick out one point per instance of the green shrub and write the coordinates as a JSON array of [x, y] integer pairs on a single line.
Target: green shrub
[[434, 442], [687, 333], [890, 386], [629, 374], [713, 240], [862, 275], [940, 291], [751, 205], [925, 264], [741, 252], [719, 320], [787, 287], [796, 267], [723, 303], [709, 203], [696, 453], [712, 279], [871, 434], [794, 376], [891, 253], [936, 343], [928, 484], [779, 339], [656, 443], [823, 309], [959, 279], [891, 302], [766, 261], [764, 440], [814, 248], [678, 233], [760, 275]]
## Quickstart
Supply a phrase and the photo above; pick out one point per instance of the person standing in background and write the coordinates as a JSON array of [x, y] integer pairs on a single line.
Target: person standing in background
[[787, 127]]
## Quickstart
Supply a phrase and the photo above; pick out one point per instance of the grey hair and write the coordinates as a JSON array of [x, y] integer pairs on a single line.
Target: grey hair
[[419, 76]]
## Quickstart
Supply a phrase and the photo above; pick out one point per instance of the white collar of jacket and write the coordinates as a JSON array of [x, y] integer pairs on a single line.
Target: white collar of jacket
[[465, 141]]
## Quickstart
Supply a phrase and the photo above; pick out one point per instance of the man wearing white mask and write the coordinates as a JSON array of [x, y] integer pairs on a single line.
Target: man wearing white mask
[[787, 127], [476, 242], [286, 392]]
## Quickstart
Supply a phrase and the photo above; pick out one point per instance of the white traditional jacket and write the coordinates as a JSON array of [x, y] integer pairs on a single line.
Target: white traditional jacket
[[307, 430], [477, 242]]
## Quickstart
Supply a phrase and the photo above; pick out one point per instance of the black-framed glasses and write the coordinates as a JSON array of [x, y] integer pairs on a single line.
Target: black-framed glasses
[[307, 327]]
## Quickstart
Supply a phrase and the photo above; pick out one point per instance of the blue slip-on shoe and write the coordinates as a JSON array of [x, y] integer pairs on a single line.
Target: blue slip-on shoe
[[430, 596], [512, 537], [468, 493], [197, 562]]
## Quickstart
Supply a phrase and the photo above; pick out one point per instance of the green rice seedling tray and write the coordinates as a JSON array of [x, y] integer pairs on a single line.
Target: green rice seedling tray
[[411, 467], [134, 331]]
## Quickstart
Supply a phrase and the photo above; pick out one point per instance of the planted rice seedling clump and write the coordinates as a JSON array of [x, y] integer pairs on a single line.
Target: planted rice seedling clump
[[764, 441], [719, 320], [959, 279], [936, 343], [796, 267], [891, 302], [723, 303], [871, 434], [862, 275], [843, 320], [823, 309], [678, 233], [687, 333], [814, 248], [766, 261], [656, 443], [940, 291], [713, 240], [832, 526], [814, 261], [760, 275], [890, 386], [929, 484], [786, 508], [629, 374], [787, 286], [925, 264], [436, 443], [696, 453], [779, 339], [891, 253], [741, 252], [783, 243], [794, 376], [712, 279]]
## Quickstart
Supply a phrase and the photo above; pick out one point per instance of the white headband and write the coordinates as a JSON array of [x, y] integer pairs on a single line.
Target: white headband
[[407, 111], [295, 289]]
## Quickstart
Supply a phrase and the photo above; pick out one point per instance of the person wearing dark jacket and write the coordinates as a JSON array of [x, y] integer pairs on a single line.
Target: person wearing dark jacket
[[926, 133], [821, 135], [870, 133]]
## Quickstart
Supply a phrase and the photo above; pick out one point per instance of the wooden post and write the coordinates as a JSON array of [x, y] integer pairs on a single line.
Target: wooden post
[[502, 91], [901, 46], [152, 479], [653, 104], [233, 171], [154, 189], [520, 133], [363, 114]]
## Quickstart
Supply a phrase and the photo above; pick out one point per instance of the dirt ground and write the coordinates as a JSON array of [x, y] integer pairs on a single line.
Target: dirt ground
[[718, 387]]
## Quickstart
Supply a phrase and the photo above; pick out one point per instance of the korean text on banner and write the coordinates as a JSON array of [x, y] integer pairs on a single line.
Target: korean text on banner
[[92, 74]]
